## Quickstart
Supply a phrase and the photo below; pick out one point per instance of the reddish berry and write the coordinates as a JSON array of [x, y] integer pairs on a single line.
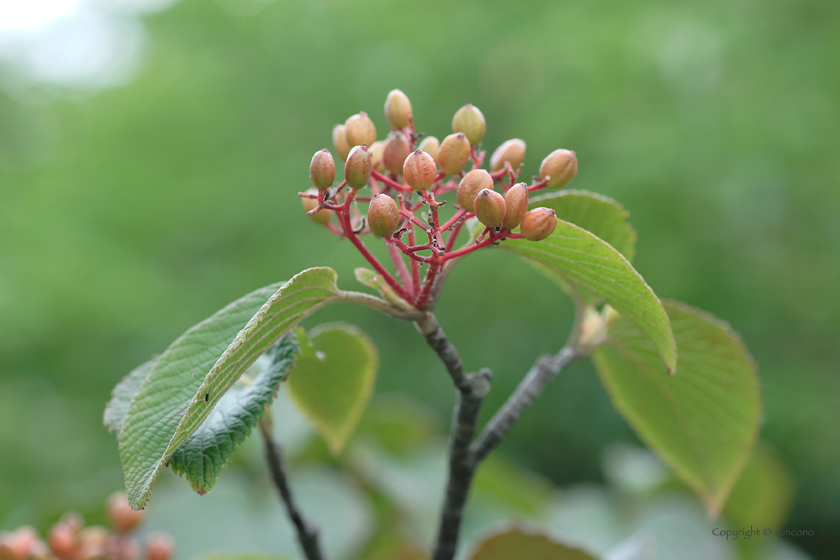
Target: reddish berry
[[397, 109], [469, 120], [123, 518], [511, 151], [454, 153], [63, 539], [322, 169], [396, 150], [516, 205], [383, 215], [339, 136], [538, 224], [20, 544], [377, 150], [159, 547], [431, 146], [469, 187], [489, 208], [419, 170], [559, 167], [358, 167], [360, 130]]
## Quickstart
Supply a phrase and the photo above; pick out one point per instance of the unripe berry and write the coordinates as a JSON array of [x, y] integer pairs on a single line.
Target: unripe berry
[[377, 150], [18, 545], [339, 135], [322, 169], [489, 208], [62, 541], [397, 109], [419, 170], [360, 130], [454, 153], [473, 183], [516, 205], [159, 547], [122, 548], [93, 543], [430, 145], [39, 551], [383, 215], [511, 151], [358, 167], [321, 216], [538, 224], [63, 537], [123, 518], [396, 150], [560, 167], [469, 120]]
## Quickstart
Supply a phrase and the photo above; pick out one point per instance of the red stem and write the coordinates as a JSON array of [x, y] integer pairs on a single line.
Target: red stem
[[450, 243], [354, 239], [402, 271], [538, 186], [458, 215], [390, 182], [423, 298]]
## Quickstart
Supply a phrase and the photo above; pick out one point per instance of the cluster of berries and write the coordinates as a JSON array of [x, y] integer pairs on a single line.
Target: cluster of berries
[[69, 539], [417, 170]]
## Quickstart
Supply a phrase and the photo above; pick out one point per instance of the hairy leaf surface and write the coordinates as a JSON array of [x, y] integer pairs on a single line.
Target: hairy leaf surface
[[210, 449], [193, 374], [704, 420], [122, 395]]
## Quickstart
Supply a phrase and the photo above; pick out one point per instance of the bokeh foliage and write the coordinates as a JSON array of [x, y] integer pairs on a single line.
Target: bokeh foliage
[[130, 214]]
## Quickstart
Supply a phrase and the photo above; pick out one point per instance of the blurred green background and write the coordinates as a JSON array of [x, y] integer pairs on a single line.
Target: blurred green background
[[131, 210]]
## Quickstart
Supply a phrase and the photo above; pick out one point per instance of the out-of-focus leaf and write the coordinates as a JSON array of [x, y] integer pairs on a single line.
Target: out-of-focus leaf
[[333, 380], [210, 449], [586, 261], [516, 544], [399, 424], [704, 420], [519, 490], [122, 395], [763, 493], [193, 374], [371, 279], [598, 214]]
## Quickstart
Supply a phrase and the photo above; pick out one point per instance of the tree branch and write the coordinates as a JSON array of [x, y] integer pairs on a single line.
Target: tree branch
[[472, 388], [541, 373], [464, 456], [307, 533]]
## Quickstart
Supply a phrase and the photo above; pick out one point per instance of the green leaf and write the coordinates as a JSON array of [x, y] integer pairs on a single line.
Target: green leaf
[[763, 493], [600, 215], [588, 262], [704, 420], [519, 545], [210, 449], [122, 395], [193, 374], [333, 380]]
